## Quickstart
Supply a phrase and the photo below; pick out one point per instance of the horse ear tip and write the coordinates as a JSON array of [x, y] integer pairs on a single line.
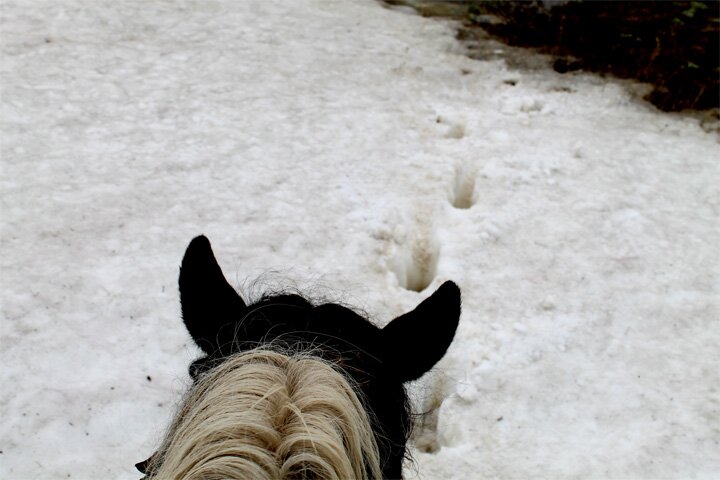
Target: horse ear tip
[[199, 241], [449, 289], [450, 285], [198, 247]]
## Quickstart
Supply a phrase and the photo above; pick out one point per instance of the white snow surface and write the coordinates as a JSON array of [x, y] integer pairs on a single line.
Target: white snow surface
[[323, 145]]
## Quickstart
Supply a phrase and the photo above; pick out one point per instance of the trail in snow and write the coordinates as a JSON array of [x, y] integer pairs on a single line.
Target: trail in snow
[[354, 151]]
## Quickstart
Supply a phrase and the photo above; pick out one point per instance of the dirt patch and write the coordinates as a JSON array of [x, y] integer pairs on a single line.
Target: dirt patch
[[674, 46]]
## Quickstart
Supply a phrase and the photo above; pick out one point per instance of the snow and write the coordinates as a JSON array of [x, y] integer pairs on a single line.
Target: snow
[[344, 148]]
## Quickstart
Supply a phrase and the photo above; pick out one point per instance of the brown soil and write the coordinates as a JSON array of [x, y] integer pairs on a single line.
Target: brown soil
[[672, 45]]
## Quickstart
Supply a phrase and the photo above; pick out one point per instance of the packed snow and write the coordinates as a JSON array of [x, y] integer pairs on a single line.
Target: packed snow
[[355, 152]]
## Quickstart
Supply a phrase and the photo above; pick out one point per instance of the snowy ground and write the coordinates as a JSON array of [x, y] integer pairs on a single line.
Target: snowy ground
[[331, 144]]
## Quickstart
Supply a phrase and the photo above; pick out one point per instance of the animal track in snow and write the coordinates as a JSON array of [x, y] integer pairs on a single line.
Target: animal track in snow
[[456, 130], [425, 435], [463, 194], [416, 266], [532, 106], [522, 104]]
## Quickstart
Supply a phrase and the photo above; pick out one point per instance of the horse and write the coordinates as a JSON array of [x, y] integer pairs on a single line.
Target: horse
[[287, 388]]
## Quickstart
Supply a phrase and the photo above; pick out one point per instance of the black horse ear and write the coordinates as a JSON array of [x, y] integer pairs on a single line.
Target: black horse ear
[[208, 301], [416, 341]]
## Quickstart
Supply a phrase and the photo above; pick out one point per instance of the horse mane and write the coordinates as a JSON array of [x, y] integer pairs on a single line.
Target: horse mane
[[268, 414]]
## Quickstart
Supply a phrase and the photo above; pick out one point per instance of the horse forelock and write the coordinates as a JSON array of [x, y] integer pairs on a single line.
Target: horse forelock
[[267, 414]]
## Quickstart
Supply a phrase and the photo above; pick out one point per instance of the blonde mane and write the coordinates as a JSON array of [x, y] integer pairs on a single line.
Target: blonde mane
[[267, 415]]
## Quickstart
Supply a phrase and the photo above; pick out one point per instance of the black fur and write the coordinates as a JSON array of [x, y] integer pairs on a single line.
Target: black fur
[[378, 360]]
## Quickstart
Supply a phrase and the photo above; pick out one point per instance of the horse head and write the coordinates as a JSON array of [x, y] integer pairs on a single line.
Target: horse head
[[379, 361]]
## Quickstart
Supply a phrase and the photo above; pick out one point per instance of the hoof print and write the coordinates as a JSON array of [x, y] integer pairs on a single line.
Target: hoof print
[[416, 267], [463, 195]]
